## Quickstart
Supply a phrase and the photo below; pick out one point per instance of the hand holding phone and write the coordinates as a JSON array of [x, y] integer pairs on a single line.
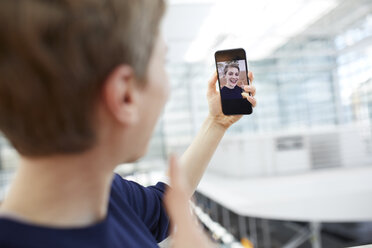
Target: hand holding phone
[[232, 74]]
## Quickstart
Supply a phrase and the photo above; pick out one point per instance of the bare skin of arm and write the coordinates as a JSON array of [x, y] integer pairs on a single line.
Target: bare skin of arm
[[195, 159]]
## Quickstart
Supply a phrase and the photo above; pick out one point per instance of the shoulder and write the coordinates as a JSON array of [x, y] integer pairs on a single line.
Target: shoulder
[[131, 191], [146, 203], [238, 88], [121, 184]]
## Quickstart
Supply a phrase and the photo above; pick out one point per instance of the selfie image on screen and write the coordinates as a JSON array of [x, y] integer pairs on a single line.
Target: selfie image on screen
[[233, 77]]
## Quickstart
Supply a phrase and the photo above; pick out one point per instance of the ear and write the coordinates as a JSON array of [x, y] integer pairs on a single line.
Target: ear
[[119, 95]]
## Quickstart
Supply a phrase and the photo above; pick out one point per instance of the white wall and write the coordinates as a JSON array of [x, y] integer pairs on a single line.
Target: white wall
[[258, 155]]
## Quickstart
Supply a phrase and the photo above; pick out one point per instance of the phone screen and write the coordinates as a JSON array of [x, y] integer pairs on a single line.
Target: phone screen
[[232, 70]]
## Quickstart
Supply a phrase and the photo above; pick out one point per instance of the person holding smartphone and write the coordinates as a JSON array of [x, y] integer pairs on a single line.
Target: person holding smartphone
[[231, 90], [82, 85]]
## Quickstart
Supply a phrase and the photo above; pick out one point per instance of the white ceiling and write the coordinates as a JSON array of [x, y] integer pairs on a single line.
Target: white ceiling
[[182, 24], [194, 29]]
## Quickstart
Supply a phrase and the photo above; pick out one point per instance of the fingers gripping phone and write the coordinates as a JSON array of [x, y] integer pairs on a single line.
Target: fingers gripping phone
[[232, 73]]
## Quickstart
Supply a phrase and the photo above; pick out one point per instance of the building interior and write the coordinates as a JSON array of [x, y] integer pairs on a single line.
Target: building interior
[[297, 171]]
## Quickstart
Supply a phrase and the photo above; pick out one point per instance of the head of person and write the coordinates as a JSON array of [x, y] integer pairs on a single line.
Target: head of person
[[75, 75], [231, 73]]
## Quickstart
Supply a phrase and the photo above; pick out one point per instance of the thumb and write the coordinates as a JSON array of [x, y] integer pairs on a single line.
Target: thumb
[[176, 198], [212, 84], [185, 232]]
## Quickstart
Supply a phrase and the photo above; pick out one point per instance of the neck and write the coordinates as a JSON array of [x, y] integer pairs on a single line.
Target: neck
[[61, 190], [230, 86]]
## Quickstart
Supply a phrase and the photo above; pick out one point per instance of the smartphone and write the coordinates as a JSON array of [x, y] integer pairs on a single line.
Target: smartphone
[[232, 74]]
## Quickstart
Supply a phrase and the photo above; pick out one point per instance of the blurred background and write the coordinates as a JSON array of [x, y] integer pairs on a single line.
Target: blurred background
[[297, 172]]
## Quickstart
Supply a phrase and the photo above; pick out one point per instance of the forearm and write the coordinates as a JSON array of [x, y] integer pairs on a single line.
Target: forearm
[[197, 156]]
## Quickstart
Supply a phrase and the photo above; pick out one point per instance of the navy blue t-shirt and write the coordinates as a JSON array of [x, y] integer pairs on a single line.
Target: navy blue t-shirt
[[136, 218], [235, 93]]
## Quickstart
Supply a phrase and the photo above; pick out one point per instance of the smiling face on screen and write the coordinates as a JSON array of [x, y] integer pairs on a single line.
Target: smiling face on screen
[[232, 76]]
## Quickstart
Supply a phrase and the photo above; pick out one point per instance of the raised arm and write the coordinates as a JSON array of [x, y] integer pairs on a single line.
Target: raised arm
[[197, 156]]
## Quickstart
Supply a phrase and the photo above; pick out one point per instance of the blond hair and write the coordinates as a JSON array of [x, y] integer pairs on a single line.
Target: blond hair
[[230, 65]]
